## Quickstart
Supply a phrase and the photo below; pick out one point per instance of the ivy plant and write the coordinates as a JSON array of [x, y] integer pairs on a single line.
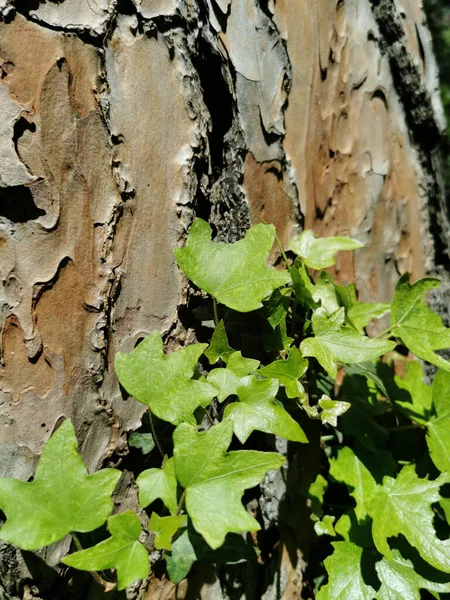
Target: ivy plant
[[290, 349]]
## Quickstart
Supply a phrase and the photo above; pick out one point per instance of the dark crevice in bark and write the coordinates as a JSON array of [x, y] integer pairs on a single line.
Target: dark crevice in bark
[[17, 204], [420, 117]]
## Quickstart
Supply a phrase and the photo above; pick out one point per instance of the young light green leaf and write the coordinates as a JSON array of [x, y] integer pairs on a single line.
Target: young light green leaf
[[361, 313], [215, 480], [325, 293], [122, 551], [420, 407], [332, 409], [334, 342], [143, 441], [219, 347], [319, 253], [62, 498], [163, 382], [159, 483], [403, 506], [420, 329], [348, 469], [400, 581], [345, 575], [258, 409], [226, 381], [235, 274], [288, 372], [325, 526], [165, 528], [438, 429]]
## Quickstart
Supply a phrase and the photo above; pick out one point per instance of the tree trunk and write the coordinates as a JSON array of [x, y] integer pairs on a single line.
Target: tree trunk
[[120, 122]]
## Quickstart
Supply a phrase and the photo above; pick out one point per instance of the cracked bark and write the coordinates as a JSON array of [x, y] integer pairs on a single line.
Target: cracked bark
[[120, 122]]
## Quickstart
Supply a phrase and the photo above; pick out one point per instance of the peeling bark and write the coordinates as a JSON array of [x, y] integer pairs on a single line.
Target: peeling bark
[[120, 121]]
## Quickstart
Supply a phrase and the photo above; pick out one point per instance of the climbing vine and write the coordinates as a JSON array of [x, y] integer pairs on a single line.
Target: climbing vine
[[287, 346]]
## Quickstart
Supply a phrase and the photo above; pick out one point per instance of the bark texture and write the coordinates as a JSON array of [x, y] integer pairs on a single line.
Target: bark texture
[[120, 121]]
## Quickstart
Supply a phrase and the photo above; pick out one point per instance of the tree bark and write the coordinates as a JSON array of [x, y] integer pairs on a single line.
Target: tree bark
[[123, 120]]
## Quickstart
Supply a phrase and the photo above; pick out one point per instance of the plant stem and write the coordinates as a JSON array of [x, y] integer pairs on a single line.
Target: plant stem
[[154, 434], [385, 332], [105, 584], [210, 419], [180, 504], [216, 312]]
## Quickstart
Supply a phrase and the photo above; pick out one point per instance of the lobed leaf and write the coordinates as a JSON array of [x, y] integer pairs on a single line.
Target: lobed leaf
[[159, 483], [214, 479], [235, 274], [332, 409], [438, 428], [258, 409], [163, 382], [226, 381], [288, 372], [420, 329], [319, 253], [219, 347], [165, 528], [122, 551], [62, 498]]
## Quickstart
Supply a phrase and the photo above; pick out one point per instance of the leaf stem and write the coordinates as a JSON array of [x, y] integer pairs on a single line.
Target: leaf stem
[[107, 585], [181, 503], [386, 332], [216, 312], [404, 427], [210, 419], [154, 434]]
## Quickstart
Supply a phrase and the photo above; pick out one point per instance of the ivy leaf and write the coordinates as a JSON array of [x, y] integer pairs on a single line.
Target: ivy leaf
[[143, 441], [348, 469], [355, 531], [122, 551], [277, 309], [235, 274], [334, 342], [332, 409], [159, 483], [345, 574], [181, 559], [325, 293], [303, 286], [438, 429], [403, 506], [419, 409], [319, 253], [226, 381], [215, 480], [361, 313], [257, 409], [288, 372], [164, 382], [219, 347], [420, 329], [165, 528], [400, 581], [62, 498], [325, 526]]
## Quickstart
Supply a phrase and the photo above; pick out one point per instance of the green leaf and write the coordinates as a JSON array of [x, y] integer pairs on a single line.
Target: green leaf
[[143, 441], [420, 329], [164, 382], [315, 492], [122, 551], [355, 531], [332, 409], [438, 429], [319, 253], [403, 506], [303, 286], [235, 274], [334, 342], [277, 308], [165, 528], [325, 293], [159, 483], [288, 373], [215, 480], [325, 526], [62, 498], [348, 469], [419, 409], [226, 381], [258, 409], [345, 575], [400, 581], [181, 559], [361, 313], [219, 347]]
